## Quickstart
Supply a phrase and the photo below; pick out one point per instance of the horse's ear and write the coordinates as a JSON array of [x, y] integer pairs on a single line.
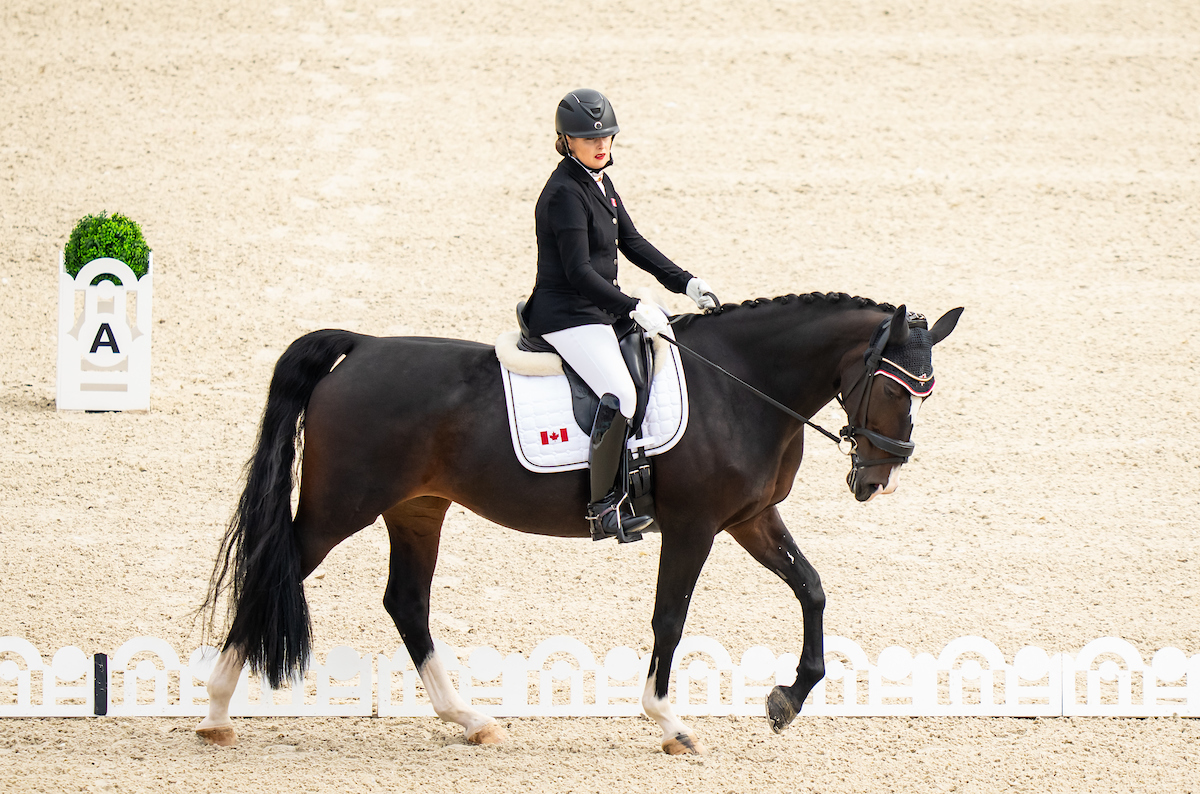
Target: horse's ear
[[943, 327], [898, 330]]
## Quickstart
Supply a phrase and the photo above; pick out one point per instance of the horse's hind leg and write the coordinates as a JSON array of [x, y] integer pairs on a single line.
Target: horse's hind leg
[[415, 528], [313, 545], [217, 728], [769, 542]]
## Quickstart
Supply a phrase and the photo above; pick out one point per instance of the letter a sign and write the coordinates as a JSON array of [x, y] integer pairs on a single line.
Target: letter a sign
[[104, 338], [103, 353]]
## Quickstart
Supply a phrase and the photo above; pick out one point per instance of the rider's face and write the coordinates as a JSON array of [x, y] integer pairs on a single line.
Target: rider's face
[[592, 152]]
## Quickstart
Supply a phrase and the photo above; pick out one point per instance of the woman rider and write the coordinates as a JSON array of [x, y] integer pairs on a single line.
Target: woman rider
[[581, 224]]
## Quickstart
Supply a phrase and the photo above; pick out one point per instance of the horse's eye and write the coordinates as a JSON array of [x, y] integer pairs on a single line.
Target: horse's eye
[[893, 392]]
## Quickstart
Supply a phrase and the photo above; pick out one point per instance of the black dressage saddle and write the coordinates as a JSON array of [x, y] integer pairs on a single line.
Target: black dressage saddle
[[638, 353]]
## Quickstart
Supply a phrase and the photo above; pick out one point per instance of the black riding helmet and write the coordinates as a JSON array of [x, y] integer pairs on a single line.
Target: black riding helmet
[[585, 113]]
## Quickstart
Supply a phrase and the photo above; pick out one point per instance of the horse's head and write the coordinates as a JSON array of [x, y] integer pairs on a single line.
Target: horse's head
[[882, 397]]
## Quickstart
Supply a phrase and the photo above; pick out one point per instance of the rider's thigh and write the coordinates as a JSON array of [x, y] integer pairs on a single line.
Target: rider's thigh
[[593, 352]]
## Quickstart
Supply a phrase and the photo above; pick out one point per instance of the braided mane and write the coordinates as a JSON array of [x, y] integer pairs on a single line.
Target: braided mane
[[831, 298]]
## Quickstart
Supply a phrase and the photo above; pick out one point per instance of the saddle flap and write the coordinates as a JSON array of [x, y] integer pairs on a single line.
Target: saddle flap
[[638, 353]]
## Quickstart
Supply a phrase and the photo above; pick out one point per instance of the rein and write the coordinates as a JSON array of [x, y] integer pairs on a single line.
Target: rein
[[753, 390]]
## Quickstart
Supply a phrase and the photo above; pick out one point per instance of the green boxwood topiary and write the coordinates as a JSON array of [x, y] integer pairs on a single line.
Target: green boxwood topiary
[[102, 235]]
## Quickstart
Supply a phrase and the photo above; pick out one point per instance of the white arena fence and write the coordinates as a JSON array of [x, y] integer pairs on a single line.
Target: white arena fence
[[562, 677]]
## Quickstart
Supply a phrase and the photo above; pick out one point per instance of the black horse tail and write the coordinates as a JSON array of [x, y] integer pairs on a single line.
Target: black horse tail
[[259, 561]]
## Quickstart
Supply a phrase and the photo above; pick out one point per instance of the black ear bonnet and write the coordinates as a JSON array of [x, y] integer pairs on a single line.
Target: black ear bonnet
[[910, 364]]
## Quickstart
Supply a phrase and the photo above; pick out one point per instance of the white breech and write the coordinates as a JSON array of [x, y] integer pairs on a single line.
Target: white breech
[[593, 352]]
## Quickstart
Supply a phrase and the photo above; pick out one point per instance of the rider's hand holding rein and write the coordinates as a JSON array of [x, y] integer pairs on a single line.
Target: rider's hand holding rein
[[699, 291], [650, 318]]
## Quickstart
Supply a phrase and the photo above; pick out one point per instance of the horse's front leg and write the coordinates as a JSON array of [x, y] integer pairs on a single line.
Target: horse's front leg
[[769, 542], [679, 565]]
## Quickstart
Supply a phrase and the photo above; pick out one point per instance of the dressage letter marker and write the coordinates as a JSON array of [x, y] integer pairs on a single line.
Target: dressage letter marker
[[104, 351], [105, 338]]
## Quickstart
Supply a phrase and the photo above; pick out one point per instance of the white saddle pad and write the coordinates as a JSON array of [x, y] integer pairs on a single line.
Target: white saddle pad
[[545, 436]]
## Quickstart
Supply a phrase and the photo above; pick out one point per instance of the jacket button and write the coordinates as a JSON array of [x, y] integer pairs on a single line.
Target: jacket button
[[614, 220]]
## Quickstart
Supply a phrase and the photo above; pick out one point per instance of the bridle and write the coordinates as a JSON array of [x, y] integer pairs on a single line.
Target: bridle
[[900, 451]]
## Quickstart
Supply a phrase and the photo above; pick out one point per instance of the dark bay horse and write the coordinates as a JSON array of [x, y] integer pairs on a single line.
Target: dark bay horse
[[402, 427]]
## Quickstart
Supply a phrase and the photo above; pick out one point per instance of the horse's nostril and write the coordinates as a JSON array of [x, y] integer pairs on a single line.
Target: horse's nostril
[[865, 491]]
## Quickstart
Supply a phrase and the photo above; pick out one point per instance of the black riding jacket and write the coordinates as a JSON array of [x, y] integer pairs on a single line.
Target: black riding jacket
[[579, 231]]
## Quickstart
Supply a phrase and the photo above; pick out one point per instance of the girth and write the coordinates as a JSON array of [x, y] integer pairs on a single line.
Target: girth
[[637, 351]]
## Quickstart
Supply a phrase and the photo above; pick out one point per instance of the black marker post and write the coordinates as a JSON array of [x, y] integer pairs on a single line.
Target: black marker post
[[100, 701]]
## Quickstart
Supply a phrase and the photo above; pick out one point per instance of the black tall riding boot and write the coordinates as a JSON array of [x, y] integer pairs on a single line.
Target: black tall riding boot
[[610, 512]]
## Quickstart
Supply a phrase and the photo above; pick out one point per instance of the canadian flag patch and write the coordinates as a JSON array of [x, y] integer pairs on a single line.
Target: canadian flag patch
[[554, 437]]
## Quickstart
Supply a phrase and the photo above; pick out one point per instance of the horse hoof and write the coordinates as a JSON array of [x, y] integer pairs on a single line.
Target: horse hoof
[[780, 710], [222, 736], [682, 744], [491, 733]]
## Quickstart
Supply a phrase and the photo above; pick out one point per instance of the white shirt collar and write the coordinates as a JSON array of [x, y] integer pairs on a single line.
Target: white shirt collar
[[597, 176]]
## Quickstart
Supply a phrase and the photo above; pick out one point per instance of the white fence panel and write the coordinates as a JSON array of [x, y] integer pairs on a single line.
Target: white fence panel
[[562, 677], [67, 684]]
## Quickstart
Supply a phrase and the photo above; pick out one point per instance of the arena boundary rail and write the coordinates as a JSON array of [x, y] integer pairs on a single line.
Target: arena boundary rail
[[562, 677]]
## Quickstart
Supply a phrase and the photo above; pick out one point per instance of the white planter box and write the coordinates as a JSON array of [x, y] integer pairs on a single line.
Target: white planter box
[[103, 357]]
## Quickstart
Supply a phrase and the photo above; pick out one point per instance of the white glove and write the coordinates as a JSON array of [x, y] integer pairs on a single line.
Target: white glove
[[650, 318], [696, 289]]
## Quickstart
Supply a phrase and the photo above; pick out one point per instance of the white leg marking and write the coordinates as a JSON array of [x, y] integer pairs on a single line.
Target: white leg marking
[[448, 704], [661, 712], [217, 728], [221, 683]]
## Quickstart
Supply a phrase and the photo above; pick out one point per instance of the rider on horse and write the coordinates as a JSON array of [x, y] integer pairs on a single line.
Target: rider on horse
[[581, 223]]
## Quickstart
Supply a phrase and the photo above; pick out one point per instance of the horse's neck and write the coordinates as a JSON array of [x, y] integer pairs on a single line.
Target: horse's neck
[[794, 355]]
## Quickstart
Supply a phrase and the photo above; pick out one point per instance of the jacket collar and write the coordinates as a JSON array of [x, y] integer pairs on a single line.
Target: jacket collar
[[580, 173]]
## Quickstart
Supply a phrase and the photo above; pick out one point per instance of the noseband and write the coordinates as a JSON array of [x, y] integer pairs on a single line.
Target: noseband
[[901, 451]]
